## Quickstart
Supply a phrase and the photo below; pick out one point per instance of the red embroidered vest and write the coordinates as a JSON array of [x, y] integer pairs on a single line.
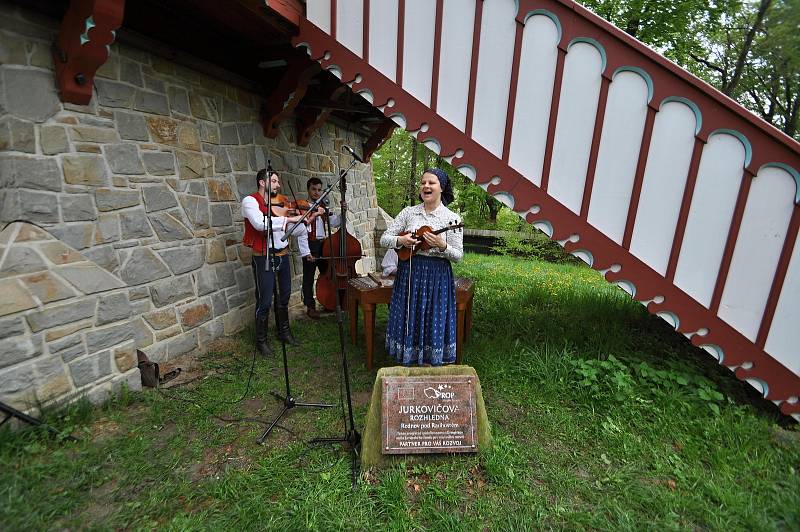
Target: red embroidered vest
[[252, 238]]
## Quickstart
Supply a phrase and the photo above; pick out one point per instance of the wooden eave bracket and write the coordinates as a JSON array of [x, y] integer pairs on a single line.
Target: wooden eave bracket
[[83, 45], [378, 137], [311, 119], [290, 10], [281, 103]]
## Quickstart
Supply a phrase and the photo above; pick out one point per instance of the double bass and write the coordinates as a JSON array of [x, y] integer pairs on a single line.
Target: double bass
[[341, 250]]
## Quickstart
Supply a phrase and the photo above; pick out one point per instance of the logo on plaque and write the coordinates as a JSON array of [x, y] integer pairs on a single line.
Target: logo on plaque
[[428, 415]]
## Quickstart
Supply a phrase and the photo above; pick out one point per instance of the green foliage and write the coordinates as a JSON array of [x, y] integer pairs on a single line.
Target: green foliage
[[397, 167], [533, 245], [748, 49], [676, 28], [613, 381]]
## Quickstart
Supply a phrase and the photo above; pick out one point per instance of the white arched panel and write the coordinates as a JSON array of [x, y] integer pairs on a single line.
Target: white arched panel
[[537, 71], [455, 59], [350, 25], [383, 37], [620, 142], [318, 12], [420, 22], [662, 188], [577, 109], [784, 334], [758, 248], [718, 179], [498, 29]]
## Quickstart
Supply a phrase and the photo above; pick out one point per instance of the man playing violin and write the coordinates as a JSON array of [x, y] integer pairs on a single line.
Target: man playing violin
[[254, 212], [310, 244]]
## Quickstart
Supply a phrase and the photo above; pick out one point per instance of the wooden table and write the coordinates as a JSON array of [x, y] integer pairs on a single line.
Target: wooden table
[[360, 293]]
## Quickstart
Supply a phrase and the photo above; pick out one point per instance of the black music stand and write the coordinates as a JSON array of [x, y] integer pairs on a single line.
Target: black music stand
[[350, 434], [289, 401]]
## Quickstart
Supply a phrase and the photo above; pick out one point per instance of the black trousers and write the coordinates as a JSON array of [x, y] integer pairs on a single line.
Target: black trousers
[[310, 269], [265, 281]]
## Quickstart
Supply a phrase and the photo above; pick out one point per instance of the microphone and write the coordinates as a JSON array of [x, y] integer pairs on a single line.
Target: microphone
[[352, 152]]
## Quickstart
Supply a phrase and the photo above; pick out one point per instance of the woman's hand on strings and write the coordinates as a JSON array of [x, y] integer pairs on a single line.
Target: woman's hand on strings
[[406, 241], [435, 241]]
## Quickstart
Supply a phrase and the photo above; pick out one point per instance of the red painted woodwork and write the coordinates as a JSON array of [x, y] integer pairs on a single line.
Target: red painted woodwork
[[598, 131], [310, 119], [686, 203], [638, 179], [378, 137], [651, 288], [291, 10], [551, 128], [81, 47], [282, 101]]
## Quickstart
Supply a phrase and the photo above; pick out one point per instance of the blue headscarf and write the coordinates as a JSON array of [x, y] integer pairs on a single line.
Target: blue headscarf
[[444, 182]]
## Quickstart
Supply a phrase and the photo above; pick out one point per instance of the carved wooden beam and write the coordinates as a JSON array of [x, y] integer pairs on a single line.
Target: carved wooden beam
[[83, 45], [379, 136], [310, 119], [290, 90]]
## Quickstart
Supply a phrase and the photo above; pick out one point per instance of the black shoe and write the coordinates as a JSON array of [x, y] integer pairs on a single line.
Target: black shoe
[[261, 337], [313, 313], [284, 333]]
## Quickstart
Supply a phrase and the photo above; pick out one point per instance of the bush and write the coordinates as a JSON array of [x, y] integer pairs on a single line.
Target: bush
[[533, 245]]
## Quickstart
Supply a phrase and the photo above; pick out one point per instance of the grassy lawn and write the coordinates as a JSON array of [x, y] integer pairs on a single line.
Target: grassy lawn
[[602, 418]]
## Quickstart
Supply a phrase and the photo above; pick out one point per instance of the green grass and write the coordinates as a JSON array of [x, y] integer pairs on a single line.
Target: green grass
[[603, 418]]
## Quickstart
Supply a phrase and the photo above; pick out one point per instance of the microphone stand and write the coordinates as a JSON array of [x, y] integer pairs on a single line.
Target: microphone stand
[[289, 402], [350, 436]]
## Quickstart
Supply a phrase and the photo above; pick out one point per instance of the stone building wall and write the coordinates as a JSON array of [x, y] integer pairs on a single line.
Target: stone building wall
[[138, 197]]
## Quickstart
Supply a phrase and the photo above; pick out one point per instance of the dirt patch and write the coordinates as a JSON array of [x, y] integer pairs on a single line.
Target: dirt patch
[[361, 398], [190, 368], [164, 435], [218, 460], [787, 439], [476, 481], [251, 407], [105, 429], [101, 502]]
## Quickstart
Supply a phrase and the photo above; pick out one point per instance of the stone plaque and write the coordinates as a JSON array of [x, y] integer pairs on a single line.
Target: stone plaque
[[428, 415]]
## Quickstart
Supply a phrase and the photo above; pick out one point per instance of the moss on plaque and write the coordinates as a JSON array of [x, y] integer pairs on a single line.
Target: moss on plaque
[[371, 455]]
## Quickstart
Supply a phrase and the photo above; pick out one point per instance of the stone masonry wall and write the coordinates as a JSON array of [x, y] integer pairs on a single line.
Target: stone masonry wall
[[138, 196]]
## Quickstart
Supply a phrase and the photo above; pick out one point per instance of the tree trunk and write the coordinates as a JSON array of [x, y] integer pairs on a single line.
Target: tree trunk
[[792, 108], [730, 86], [494, 206], [411, 191]]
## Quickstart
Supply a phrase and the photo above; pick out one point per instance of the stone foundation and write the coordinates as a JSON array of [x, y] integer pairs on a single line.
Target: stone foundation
[[138, 198]]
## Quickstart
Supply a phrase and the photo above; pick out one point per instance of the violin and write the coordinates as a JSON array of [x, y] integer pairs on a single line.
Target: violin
[[283, 206], [404, 253]]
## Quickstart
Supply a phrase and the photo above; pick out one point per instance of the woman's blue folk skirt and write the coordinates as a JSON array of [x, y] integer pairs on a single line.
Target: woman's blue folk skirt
[[430, 337]]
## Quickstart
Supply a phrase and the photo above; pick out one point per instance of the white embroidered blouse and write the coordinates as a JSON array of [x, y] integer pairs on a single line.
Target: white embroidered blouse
[[412, 218]]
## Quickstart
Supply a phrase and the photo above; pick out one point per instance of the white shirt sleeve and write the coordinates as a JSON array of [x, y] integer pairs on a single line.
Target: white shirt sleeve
[[302, 243], [398, 225], [256, 218], [455, 245]]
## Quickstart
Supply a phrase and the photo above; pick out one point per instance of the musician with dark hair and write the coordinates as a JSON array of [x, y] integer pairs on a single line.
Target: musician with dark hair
[[254, 210], [422, 313], [310, 245]]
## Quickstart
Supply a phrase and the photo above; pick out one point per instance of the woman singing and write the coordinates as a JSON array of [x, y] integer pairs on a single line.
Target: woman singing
[[422, 314]]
